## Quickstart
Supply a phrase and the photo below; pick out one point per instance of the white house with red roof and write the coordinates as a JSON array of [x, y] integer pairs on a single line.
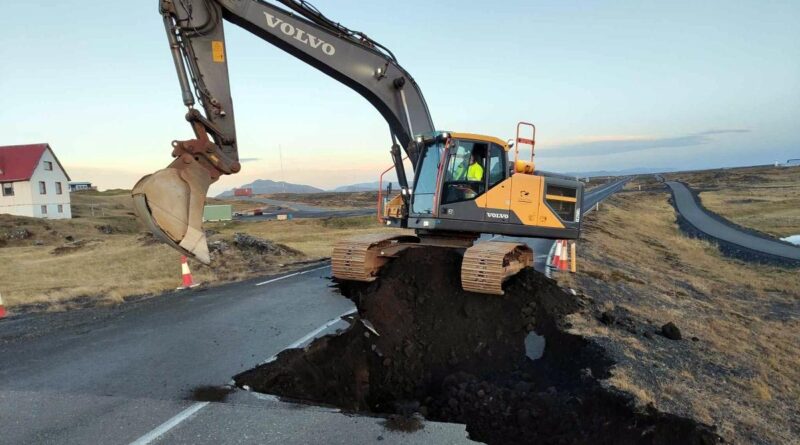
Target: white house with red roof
[[33, 182]]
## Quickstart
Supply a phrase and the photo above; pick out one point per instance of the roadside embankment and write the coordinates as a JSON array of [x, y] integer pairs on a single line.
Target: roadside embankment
[[735, 365]]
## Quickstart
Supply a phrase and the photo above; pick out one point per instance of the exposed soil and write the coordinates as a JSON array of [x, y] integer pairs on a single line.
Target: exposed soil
[[208, 393], [455, 356]]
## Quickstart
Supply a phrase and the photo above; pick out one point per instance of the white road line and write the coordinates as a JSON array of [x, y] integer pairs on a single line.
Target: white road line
[[291, 275], [169, 424], [310, 335]]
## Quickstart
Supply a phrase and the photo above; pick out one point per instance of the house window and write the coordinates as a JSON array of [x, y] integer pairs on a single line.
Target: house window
[[44, 210], [42, 188], [48, 165], [8, 189], [58, 188], [60, 208]]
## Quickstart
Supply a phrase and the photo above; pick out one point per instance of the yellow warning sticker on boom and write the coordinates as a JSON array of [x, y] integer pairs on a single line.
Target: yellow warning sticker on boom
[[218, 51]]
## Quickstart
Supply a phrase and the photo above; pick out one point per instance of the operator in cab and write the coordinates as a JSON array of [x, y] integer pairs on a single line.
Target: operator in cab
[[473, 171], [470, 173]]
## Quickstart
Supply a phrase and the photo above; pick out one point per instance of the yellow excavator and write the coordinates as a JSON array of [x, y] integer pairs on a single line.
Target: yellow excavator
[[463, 184]]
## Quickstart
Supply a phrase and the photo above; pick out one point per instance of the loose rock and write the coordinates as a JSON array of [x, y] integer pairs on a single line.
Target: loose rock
[[18, 234], [671, 331]]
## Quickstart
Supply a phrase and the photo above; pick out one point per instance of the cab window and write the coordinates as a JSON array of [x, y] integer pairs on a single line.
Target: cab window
[[458, 162], [465, 176], [497, 164], [425, 188]]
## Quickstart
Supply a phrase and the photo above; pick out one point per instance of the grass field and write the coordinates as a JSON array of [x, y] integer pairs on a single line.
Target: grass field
[[332, 200], [742, 373], [766, 199], [314, 237], [102, 254]]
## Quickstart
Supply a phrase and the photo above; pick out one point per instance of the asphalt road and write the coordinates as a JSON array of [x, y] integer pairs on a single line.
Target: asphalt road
[[128, 374], [269, 216], [301, 210], [696, 215], [113, 375]]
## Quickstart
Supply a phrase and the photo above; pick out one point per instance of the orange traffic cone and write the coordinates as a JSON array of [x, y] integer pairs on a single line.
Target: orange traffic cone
[[563, 264], [187, 274], [2, 308], [557, 256]]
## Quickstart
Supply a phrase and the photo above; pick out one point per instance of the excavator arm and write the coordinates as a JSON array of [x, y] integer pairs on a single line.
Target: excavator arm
[[171, 201]]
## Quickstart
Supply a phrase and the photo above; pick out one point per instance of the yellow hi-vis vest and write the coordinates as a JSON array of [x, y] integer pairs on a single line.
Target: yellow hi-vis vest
[[474, 172]]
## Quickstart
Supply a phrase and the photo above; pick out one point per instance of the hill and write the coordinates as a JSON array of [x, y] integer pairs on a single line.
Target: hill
[[266, 186], [362, 187]]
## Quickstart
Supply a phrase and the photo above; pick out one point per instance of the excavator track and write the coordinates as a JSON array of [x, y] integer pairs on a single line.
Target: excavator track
[[360, 258], [487, 265]]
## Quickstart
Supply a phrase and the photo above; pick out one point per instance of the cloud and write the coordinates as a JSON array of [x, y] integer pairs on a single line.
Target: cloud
[[604, 146]]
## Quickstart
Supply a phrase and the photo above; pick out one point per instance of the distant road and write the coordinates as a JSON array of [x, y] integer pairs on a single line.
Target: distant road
[[301, 210], [702, 221]]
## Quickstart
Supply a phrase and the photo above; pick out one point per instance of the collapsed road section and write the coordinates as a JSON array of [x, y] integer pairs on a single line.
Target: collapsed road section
[[421, 346]]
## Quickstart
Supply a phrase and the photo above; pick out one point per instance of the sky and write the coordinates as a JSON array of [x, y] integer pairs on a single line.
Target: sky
[[610, 86]]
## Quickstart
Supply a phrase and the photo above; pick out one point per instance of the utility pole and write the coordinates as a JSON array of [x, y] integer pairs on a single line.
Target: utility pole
[[283, 177]]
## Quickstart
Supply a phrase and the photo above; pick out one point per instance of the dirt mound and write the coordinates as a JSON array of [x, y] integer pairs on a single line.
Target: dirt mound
[[71, 247], [262, 246], [423, 345]]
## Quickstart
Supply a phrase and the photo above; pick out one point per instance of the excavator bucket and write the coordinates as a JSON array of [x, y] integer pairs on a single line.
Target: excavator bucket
[[487, 265], [170, 202]]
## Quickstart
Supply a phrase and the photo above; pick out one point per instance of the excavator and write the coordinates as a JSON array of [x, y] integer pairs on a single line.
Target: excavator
[[463, 186]]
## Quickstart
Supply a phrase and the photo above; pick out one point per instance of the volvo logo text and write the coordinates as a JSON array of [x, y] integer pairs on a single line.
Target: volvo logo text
[[300, 35], [497, 215]]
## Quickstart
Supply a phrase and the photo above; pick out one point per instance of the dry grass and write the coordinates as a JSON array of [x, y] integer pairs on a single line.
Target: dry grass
[[314, 237], [622, 381], [766, 199], [743, 373], [107, 269], [238, 205], [332, 200], [47, 271]]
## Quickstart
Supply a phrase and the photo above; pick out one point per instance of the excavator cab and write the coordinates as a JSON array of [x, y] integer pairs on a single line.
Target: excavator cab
[[469, 183]]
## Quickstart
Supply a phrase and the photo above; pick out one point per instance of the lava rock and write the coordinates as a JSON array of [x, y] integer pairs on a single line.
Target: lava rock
[[607, 318], [671, 331], [106, 229], [261, 246], [18, 234], [218, 246]]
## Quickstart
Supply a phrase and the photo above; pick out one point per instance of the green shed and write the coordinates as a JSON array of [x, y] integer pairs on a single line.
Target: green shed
[[218, 213]]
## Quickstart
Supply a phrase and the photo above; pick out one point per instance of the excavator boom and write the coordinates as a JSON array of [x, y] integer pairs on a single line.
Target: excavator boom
[[171, 200]]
